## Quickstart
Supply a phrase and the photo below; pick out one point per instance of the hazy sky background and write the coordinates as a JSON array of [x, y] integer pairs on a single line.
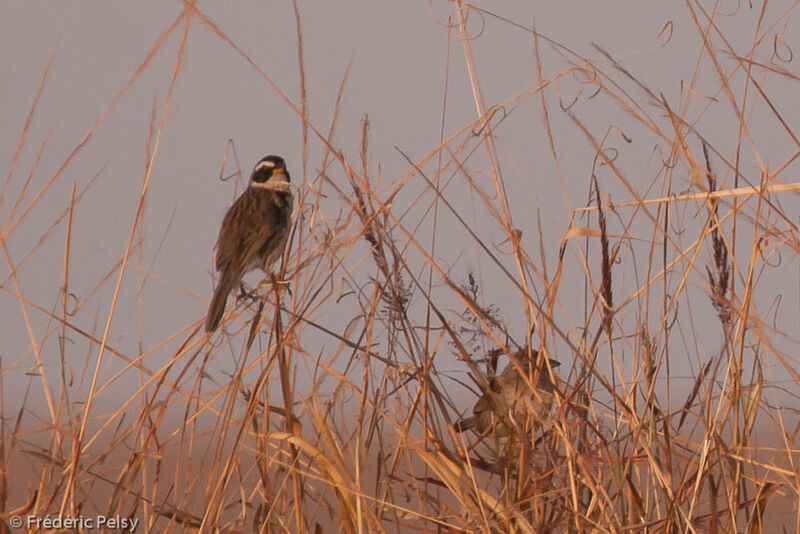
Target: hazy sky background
[[399, 68], [399, 63]]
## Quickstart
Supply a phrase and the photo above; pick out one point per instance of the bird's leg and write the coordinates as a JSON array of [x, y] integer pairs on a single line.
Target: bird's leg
[[244, 294]]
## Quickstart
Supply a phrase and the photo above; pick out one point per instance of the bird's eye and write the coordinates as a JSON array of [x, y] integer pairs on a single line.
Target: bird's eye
[[266, 166]]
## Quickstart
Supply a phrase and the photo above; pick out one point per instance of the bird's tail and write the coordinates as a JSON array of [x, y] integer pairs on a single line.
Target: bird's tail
[[217, 307]]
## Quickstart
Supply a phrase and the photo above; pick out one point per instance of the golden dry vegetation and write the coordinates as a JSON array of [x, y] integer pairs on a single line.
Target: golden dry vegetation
[[673, 409]]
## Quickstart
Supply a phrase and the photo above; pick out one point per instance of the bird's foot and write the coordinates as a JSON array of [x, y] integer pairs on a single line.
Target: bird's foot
[[244, 294]]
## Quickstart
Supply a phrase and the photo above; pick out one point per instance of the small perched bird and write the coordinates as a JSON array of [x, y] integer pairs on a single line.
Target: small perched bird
[[254, 231], [510, 399]]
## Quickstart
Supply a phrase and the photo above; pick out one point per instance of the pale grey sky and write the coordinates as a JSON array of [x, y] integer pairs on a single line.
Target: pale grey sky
[[399, 62]]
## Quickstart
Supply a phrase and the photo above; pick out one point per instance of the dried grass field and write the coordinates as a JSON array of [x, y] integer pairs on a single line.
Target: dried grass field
[[638, 283]]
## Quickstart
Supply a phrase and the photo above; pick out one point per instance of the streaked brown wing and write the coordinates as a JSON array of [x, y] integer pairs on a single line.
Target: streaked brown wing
[[254, 225], [231, 234]]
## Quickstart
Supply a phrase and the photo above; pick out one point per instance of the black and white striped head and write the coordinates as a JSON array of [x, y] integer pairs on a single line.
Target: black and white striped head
[[270, 173]]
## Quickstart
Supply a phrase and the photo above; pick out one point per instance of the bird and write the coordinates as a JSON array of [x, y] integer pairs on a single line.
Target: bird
[[510, 400], [254, 231]]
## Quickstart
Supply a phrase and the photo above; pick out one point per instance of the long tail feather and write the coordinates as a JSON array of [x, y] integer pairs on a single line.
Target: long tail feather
[[217, 307]]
